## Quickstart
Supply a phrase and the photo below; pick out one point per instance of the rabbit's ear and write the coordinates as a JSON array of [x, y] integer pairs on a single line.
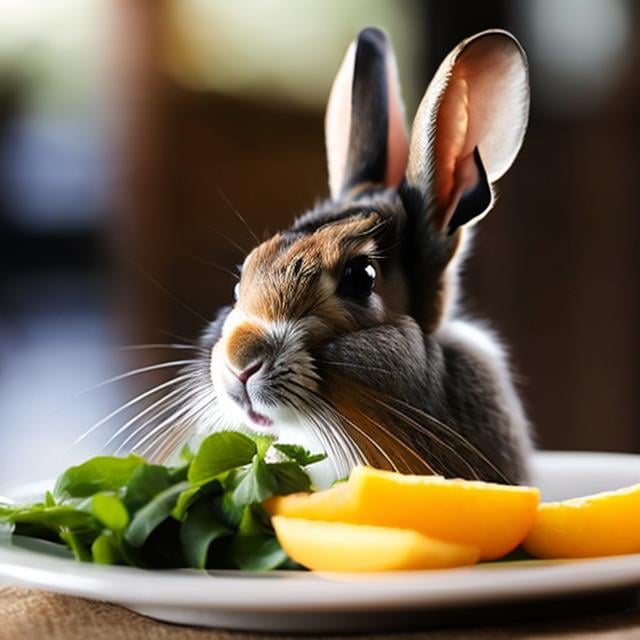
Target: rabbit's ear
[[364, 126], [469, 127]]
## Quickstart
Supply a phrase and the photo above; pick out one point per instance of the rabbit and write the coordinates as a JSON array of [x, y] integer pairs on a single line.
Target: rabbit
[[347, 326]]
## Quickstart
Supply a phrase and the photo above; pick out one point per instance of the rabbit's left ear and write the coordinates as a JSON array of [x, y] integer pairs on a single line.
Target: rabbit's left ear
[[365, 130], [469, 128]]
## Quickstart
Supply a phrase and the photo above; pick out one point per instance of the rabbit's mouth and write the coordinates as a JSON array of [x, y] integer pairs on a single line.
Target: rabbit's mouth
[[255, 418], [259, 419]]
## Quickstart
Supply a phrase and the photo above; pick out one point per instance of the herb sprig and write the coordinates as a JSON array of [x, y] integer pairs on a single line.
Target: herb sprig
[[205, 513]]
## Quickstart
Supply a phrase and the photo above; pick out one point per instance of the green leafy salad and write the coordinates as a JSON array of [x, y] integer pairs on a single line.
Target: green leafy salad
[[203, 513]]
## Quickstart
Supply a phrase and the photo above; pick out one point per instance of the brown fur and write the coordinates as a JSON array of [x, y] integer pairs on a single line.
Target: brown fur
[[284, 280], [244, 344]]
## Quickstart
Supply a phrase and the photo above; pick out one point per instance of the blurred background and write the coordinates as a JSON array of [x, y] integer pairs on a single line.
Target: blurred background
[[130, 131]]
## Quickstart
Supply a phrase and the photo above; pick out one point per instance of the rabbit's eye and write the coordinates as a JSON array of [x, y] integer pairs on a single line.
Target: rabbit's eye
[[358, 278]]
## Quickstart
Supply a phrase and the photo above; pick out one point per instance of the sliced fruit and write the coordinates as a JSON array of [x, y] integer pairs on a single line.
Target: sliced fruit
[[603, 524], [492, 517], [336, 546]]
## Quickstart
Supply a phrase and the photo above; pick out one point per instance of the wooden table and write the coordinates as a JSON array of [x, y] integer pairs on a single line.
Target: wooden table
[[29, 614]]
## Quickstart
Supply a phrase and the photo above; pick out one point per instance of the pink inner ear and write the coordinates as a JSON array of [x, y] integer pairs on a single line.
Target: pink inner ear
[[452, 127], [483, 105], [397, 139]]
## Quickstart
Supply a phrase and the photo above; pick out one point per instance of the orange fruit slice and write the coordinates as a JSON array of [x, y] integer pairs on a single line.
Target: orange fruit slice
[[603, 524], [494, 518], [336, 546]]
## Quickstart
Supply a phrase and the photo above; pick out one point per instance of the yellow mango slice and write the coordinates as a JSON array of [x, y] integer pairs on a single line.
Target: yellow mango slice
[[603, 524], [492, 517], [336, 546]]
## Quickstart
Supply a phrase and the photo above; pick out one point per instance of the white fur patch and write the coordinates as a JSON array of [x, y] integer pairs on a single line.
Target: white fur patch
[[297, 431], [482, 345]]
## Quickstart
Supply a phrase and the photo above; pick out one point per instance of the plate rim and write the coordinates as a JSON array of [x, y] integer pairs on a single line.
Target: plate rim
[[310, 592], [315, 591]]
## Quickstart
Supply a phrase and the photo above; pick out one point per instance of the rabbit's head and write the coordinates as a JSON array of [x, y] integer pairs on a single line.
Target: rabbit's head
[[349, 294]]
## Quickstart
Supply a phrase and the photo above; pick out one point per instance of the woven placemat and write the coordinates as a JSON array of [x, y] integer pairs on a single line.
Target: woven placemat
[[30, 614]]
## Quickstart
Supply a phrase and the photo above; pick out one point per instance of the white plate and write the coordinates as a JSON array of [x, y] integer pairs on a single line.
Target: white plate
[[296, 601]]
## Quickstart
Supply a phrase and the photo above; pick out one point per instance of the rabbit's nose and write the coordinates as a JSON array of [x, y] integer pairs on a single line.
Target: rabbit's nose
[[246, 373], [244, 347]]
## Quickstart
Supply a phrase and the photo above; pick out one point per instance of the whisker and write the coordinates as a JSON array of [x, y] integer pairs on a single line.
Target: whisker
[[356, 455], [177, 336], [353, 455], [371, 440], [148, 423], [185, 412], [428, 433], [163, 423], [151, 279], [135, 372], [237, 213], [215, 265], [404, 445], [464, 441], [147, 410], [354, 366], [230, 240], [328, 436], [300, 406], [162, 448], [377, 446], [156, 345], [128, 404]]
